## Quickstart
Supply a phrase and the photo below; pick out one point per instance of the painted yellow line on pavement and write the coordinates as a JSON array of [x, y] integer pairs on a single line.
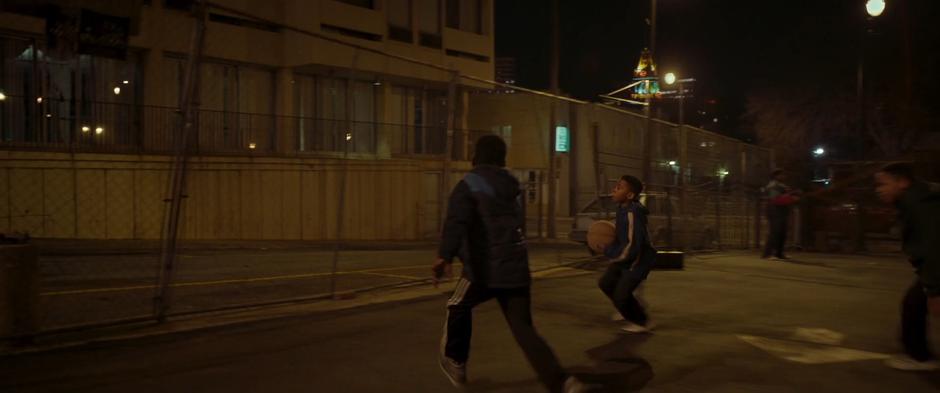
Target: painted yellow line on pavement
[[376, 272], [394, 275]]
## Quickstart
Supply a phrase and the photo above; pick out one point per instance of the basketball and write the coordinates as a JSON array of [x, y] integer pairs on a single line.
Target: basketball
[[600, 235]]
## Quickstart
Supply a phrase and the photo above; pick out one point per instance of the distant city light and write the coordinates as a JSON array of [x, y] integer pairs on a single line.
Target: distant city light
[[348, 136], [723, 172], [99, 130], [48, 115], [819, 152], [117, 90], [126, 82], [875, 7], [86, 128], [39, 100], [715, 120], [672, 163], [252, 145], [3, 97]]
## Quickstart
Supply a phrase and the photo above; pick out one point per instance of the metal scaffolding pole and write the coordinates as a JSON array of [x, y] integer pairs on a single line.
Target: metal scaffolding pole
[[187, 112]]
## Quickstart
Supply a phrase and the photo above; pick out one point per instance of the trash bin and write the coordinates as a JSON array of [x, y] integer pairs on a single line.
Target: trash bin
[[19, 290]]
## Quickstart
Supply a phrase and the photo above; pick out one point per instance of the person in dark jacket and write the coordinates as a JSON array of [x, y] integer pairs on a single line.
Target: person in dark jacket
[[485, 226], [780, 198], [918, 206], [632, 255]]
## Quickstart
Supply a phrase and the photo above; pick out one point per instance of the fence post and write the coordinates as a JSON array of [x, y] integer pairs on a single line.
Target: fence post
[[757, 221], [178, 179], [541, 177], [448, 147], [721, 181], [682, 167]]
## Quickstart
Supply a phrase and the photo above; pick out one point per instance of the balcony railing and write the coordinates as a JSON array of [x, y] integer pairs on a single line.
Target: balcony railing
[[98, 127]]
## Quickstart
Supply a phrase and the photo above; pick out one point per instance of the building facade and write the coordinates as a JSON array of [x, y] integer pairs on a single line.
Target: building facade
[[86, 137], [256, 76]]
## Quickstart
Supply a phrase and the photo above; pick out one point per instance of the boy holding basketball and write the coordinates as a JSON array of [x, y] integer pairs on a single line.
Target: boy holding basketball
[[631, 254]]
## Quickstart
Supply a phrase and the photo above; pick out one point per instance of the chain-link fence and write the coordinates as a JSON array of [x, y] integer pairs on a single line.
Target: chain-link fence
[[307, 178]]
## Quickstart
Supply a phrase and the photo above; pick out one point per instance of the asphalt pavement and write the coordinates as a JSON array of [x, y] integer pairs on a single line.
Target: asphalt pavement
[[728, 323]]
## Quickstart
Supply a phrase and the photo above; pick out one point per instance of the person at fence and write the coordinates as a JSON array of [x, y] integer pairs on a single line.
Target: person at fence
[[631, 254], [918, 205], [780, 199], [485, 218]]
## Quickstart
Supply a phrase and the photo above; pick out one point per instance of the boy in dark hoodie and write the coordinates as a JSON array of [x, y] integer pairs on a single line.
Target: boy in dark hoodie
[[631, 254], [918, 206], [485, 218]]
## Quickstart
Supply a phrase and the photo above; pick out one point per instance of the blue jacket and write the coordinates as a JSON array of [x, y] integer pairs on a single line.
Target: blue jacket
[[485, 227], [632, 246]]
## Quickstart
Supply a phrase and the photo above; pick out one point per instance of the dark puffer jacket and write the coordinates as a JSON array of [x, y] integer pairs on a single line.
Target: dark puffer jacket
[[485, 217], [919, 210]]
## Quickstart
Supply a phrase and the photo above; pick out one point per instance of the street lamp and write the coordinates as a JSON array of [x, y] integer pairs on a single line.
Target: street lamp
[[670, 78], [819, 151], [875, 7]]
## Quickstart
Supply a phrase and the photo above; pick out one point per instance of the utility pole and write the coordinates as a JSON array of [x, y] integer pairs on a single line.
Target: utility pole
[[653, 28], [552, 170], [647, 110]]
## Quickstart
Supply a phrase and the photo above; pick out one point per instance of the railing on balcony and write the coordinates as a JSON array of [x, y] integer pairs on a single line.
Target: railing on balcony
[[97, 127]]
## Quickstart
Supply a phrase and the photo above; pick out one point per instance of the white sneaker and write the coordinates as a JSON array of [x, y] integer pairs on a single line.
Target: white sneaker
[[631, 327], [616, 317], [906, 363], [574, 385]]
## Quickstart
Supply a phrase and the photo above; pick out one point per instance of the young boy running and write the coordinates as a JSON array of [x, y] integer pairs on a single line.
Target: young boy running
[[918, 203], [632, 256], [485, 215]]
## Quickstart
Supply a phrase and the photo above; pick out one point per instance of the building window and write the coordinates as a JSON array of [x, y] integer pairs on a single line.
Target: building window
[[328, 117], [399, 20], [465, 15], [236, 105], [418, 120], [429, 23], [370, 4], [59, 101]]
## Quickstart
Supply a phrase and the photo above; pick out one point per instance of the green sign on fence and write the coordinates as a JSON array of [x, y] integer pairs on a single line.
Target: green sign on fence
[[562, 139]]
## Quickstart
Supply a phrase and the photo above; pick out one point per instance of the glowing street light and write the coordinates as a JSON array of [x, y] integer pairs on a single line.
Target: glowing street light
[[117, 90], [672, 163], [875, 7], [348, 136], [39, 100], [252, 145], [86, 129], [819, 151], [670, 78], [99, 130], [3, 97]]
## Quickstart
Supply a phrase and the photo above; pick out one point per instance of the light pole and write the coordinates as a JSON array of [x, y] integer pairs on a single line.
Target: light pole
[[679, 182], [670, 79], [873, 8]]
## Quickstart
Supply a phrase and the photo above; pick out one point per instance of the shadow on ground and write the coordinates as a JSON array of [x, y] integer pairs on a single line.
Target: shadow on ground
[[616, 368]]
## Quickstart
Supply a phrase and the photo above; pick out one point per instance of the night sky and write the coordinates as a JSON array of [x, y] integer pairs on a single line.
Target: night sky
[[732, 47]]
